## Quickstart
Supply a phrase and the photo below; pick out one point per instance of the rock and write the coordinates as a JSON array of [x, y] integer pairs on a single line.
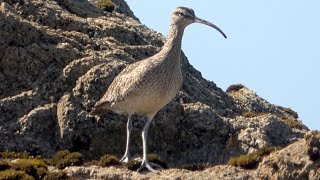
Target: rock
[[218, 172], [267, 130], [249, 101], [39, 130], [288, 163], [292, 162], [313, 145]]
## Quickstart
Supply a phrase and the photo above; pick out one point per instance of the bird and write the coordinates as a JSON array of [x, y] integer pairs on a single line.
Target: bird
[[146, 86]]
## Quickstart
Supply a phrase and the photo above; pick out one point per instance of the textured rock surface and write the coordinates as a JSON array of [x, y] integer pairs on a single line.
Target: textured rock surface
[[57, 58], [248, 101], [268, 130], [217, 172], [292, 162]]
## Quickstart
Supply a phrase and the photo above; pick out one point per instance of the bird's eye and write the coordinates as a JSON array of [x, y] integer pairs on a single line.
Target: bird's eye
[[179, 13]]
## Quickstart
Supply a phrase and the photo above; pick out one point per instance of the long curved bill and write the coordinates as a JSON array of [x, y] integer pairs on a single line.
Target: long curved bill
[[198, 20]]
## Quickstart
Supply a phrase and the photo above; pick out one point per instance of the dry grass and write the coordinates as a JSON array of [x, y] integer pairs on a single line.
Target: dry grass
[[289, 121], [234, 88], [106, 5], [251, 161], [108, 160]]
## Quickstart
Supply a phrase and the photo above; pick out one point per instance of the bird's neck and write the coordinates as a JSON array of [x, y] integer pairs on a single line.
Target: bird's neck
[[174, 37], [172, 46]]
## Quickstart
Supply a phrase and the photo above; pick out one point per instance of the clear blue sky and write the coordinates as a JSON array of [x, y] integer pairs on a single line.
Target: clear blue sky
[[273, 47]]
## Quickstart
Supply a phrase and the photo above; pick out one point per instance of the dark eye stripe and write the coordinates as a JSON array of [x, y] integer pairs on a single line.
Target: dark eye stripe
[[182, 14]]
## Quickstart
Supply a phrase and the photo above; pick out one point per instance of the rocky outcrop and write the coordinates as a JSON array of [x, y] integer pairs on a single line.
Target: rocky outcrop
[[268, 130], [249, 101], [292, 162], [57, 59]]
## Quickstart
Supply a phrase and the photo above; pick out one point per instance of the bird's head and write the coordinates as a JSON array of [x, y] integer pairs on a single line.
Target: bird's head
[[183, 16]]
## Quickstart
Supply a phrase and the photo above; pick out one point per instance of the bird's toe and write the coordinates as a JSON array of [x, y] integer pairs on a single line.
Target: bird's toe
[[150, 166], [125, 159]]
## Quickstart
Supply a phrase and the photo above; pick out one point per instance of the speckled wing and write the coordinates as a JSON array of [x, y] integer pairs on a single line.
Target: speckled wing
[[126, 83]]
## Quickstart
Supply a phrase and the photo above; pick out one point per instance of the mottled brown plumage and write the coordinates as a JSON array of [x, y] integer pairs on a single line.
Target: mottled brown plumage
[[131, 91], [144, 87]]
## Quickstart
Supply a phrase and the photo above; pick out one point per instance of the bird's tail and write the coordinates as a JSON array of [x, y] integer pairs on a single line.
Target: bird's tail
[[95, 112], [98, 109]]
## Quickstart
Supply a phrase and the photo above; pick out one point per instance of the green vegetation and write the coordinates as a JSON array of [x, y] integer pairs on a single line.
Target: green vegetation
[[234, 88], [15, 155], [38, 163], [157, 160], [105, 161], [28, 169], [267, 150], [33, 167], [133, 165], [251, 161], [106, 5], [12, 174], [24, 166], [245, 161], [252, 114], [108, 160], [65, 158], [58, 157], [195, 167], [291, 112], [289, 121], [21, 165], [57, 176]]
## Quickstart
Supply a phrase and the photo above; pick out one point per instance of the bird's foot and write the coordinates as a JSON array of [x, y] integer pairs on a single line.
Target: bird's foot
[[126, 158], [150, 166]]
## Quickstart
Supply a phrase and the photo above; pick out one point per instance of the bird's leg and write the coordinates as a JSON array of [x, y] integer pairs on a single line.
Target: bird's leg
[[145, 163], [126, 157]]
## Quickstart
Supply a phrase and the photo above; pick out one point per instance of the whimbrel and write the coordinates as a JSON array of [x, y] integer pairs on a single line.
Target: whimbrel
[[146, 86]]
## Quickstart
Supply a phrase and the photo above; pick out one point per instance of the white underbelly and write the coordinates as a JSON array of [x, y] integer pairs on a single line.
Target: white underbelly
[[148, 102]]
